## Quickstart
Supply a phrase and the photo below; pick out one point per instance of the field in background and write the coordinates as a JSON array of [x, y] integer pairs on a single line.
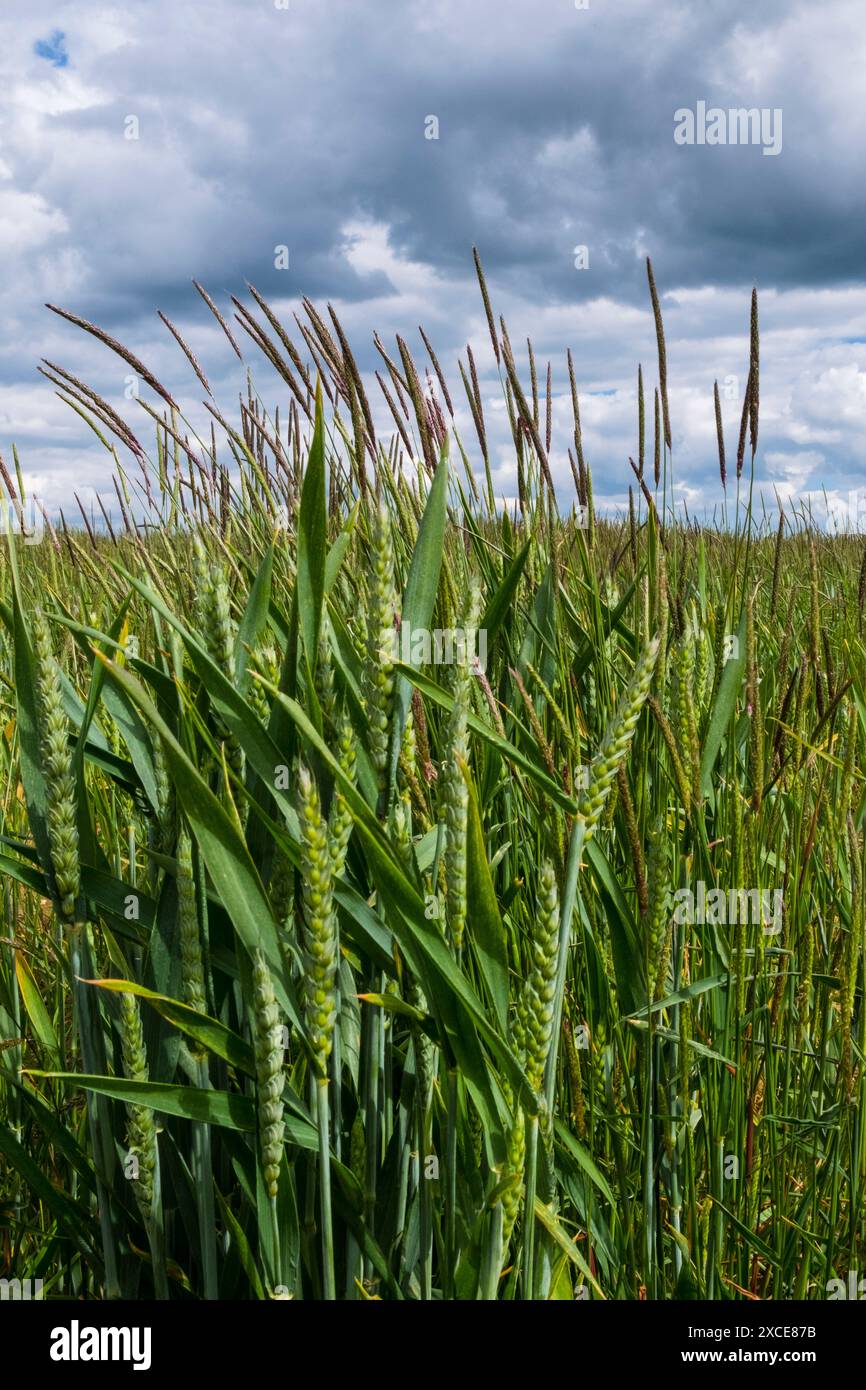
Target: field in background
[[336, 961]]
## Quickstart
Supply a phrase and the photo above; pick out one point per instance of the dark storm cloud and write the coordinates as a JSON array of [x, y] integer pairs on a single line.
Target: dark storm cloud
[[260, 126]]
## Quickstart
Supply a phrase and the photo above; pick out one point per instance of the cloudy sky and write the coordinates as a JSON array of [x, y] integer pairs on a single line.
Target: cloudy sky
[[306, 126]]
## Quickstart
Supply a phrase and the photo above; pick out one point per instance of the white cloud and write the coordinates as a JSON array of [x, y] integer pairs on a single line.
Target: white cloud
[[27, 221]]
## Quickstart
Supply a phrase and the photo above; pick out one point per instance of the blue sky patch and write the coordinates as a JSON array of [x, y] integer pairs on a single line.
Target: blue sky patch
[[53, 49]]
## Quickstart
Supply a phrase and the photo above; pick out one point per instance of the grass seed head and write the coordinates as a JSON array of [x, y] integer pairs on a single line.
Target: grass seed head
[[617, 738], [270, 1079], [57, 771], [381, 613], [319, 924], [538, 996], [141, 1127], [192, 964], [455, 790]]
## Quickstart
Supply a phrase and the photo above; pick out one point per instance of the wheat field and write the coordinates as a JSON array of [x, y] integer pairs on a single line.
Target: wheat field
[[407, 896]]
